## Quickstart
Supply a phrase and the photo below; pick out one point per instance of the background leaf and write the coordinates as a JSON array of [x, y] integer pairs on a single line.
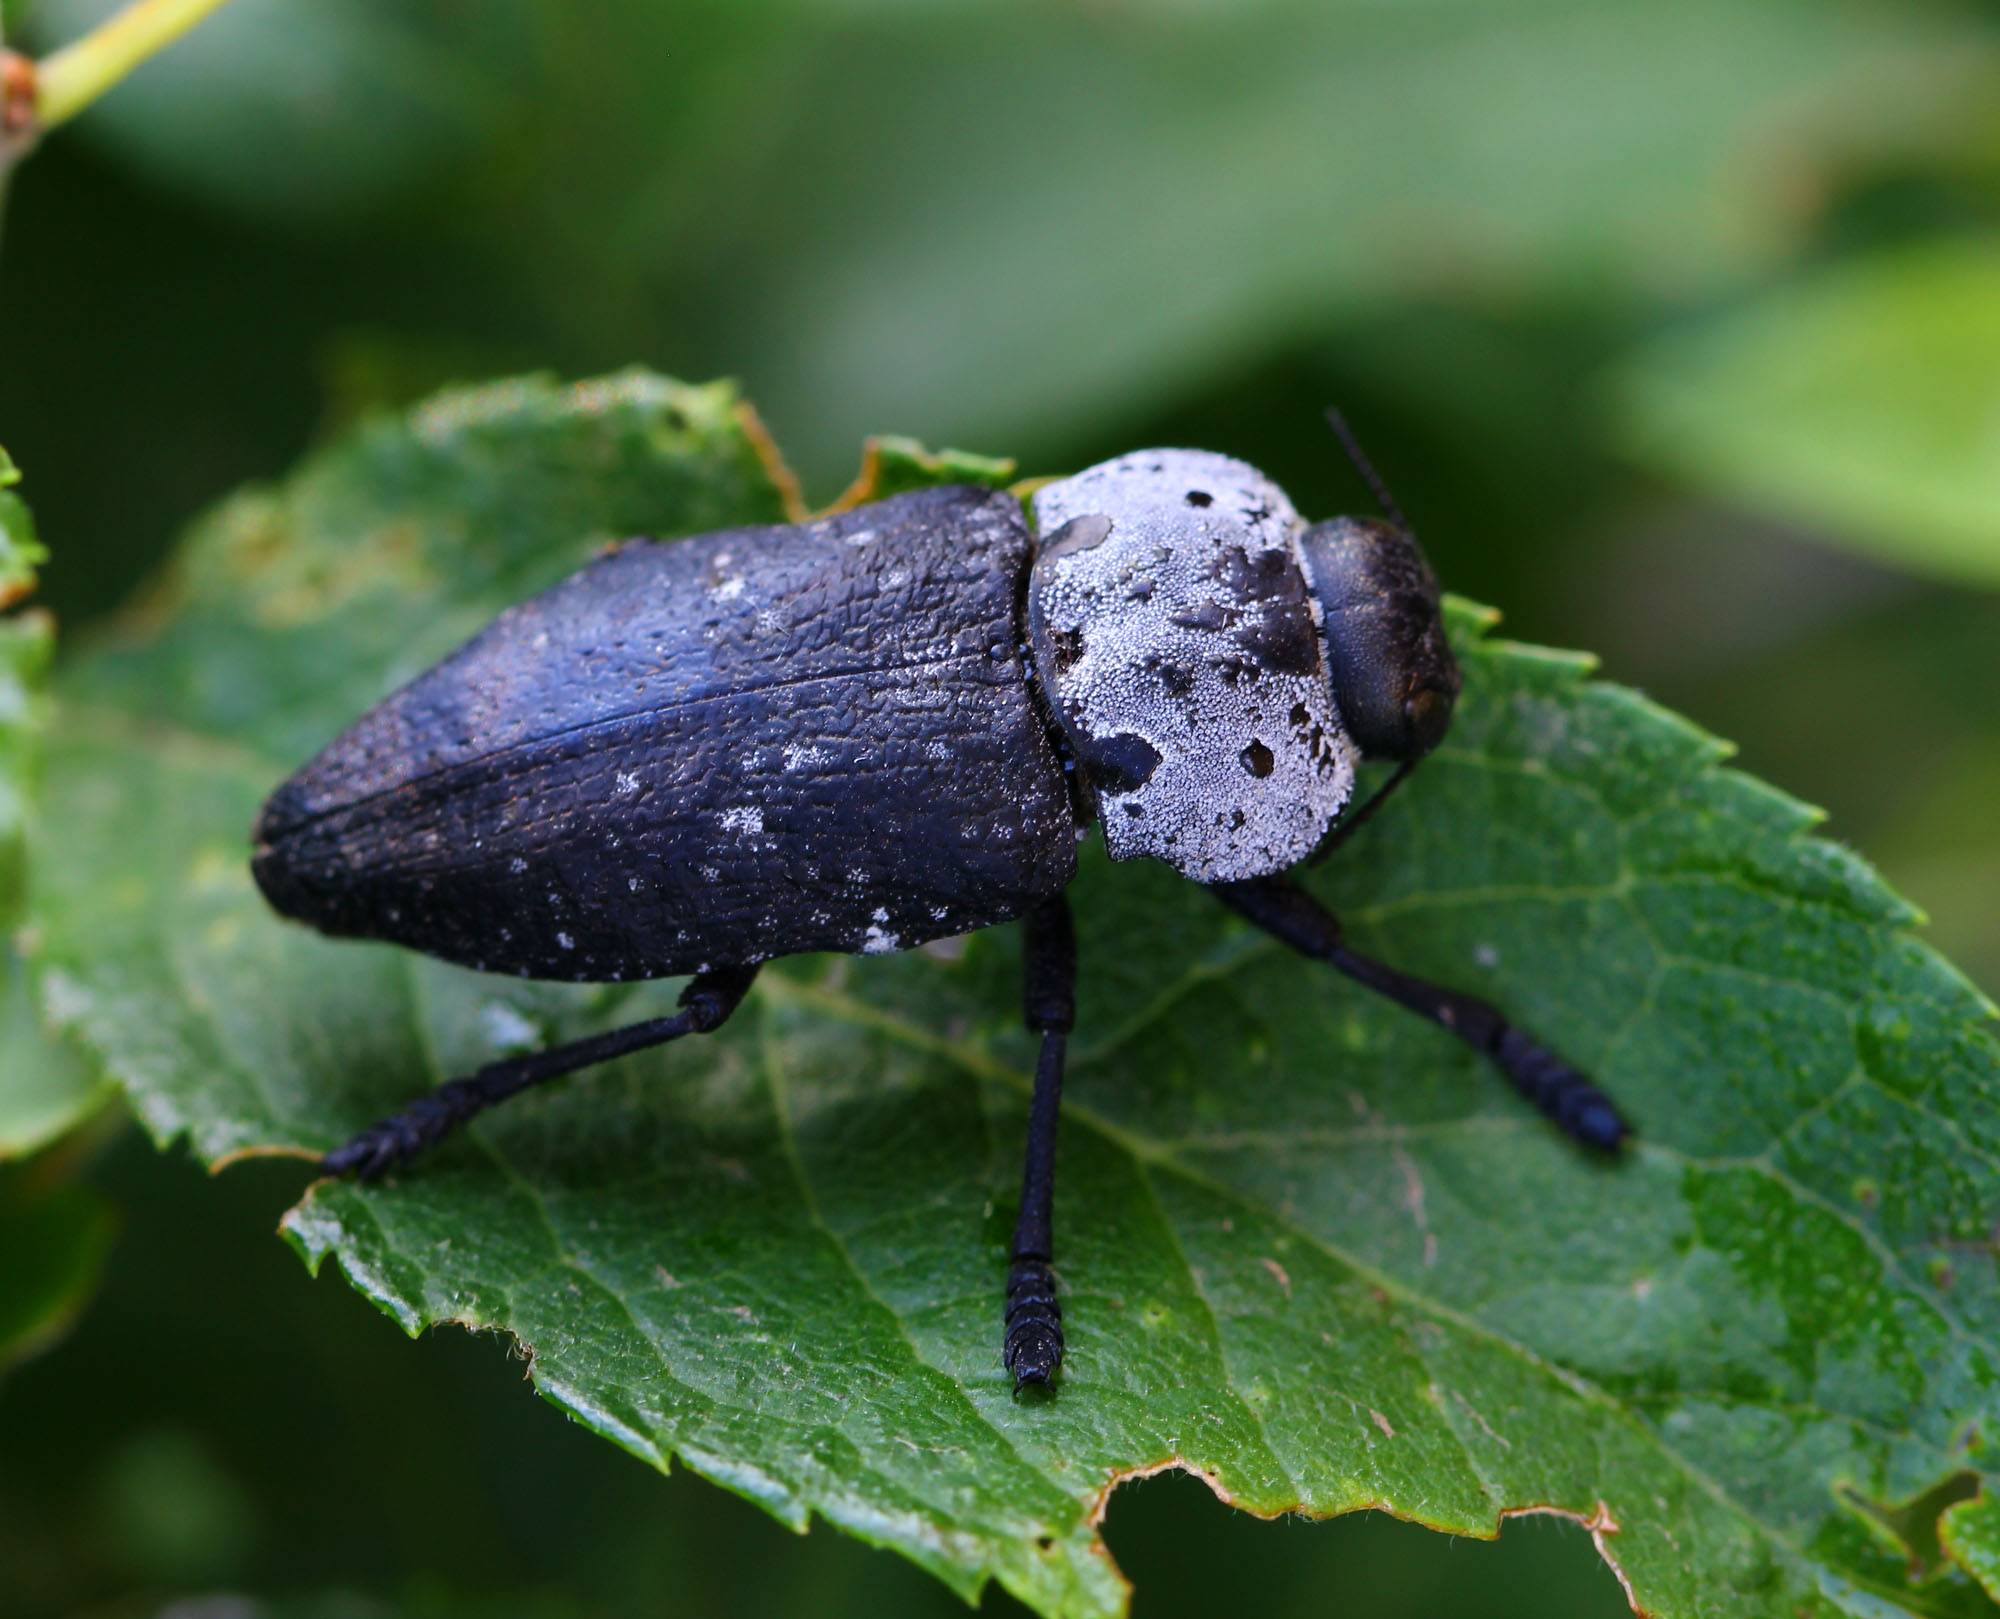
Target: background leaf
[[1006, 227], [26, 640], [20, 552], [52, 1236], [48, 1088], [1314, 1252], [1862, 402], [1971, 1533], [52, 1244], [306, 113]]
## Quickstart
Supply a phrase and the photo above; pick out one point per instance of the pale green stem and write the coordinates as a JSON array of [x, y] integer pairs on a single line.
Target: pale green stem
[[75, 76]]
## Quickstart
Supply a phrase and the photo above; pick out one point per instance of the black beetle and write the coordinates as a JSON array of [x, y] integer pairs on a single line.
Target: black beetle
[[882, 728]]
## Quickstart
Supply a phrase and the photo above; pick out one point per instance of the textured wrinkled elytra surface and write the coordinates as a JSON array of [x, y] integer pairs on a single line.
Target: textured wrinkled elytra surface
[[714, 750], [1312, 1250]]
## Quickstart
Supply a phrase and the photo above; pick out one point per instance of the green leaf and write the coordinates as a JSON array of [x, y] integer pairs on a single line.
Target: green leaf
[[44, 1088], [1862, 402], [1197, 186], [894, 465], [20, 552], [1970, 1531], [26, 640], [52, 1245], [1313, 1250], [1034, 225], [47, 1087]]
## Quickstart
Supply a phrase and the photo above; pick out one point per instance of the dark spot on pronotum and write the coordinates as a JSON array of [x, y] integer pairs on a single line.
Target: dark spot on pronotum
[[1079, 534], [1200, 497], [1122, 763], [1299, 715], [1258, 759], [1209, 615], [1068, 648], [1275, 627]]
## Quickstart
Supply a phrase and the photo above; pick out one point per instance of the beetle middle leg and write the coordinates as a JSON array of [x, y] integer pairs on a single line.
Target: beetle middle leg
[[1033, 1345], [1292, 916], [706, 1004]]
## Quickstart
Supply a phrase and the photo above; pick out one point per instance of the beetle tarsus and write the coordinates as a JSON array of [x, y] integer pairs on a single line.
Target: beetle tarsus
[[1034, 1342], [1562, 1094], [706, 1004], [399, 1138], [1582, 1111]]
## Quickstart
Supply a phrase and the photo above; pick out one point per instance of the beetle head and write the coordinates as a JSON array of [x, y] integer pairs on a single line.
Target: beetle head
[[1393, 673]]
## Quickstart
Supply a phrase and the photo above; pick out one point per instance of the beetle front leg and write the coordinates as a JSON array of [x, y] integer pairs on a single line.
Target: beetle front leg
[[1292, 916], [706, 1004], [1033, 1346]]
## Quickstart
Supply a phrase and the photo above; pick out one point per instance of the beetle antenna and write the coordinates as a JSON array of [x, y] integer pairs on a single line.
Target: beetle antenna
[[1366, 468], [1346, 828]]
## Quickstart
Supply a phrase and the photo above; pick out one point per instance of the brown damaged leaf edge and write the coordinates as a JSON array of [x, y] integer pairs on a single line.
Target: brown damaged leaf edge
[[243, 1155], [862, 489], [773, 461], [1599, 1523], [1601, 1526]]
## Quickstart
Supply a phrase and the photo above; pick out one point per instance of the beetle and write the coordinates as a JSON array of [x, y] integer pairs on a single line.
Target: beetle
[[885, 727]]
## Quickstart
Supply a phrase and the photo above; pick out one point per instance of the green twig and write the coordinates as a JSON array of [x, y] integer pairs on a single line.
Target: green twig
[[78, 74], [67, 81]]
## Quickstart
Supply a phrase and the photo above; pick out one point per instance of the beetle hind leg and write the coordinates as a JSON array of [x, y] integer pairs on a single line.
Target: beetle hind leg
[[1575, 1105], [1032, 1348], [706, 1004]]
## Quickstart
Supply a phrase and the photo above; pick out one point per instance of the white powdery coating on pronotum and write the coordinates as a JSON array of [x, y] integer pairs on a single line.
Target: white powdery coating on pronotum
[[1183, 655]]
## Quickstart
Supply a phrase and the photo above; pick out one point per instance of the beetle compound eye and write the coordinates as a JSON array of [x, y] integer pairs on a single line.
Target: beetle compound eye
[[1429, 716]]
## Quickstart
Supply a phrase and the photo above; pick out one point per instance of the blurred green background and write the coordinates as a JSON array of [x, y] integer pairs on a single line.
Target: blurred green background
[[1675, 328]]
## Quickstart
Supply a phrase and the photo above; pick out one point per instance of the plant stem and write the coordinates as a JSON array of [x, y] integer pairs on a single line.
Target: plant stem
[[72, 78]]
